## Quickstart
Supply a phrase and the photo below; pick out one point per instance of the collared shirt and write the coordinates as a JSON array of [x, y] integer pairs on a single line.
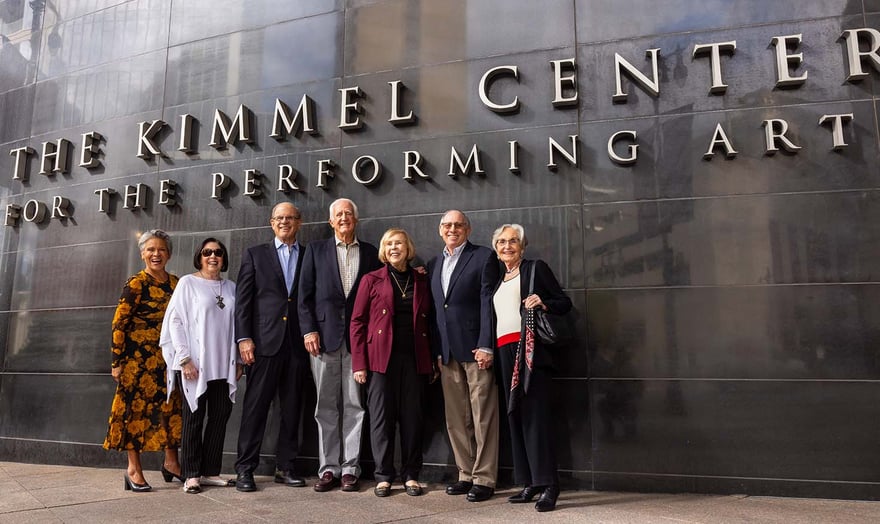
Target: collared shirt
[[348, 257], [449, 263], [288, 257]]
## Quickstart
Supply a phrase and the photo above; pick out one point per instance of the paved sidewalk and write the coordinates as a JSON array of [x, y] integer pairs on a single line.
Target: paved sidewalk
[[44, 493]]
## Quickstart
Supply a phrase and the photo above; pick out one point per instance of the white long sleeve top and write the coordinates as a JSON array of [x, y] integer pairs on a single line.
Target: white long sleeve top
[[196, 327]]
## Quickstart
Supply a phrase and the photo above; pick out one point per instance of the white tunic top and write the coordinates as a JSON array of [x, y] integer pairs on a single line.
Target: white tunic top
[[196, 327], [507, 302]]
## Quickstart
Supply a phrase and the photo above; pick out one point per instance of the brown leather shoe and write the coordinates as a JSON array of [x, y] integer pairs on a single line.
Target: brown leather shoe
[[326, 482], [349, 482]]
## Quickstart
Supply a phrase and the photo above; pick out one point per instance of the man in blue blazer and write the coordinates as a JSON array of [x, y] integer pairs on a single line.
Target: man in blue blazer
[[270, 345], [462, 277], [331, 272]]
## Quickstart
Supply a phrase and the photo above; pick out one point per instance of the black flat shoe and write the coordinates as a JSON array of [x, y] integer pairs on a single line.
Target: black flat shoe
[[414, 490], [382, 491], [526, 495], [169, 477], [547, 502], [131, 485]]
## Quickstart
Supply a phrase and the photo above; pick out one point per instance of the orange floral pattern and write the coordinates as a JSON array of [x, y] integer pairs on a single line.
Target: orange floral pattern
[[140, 419]]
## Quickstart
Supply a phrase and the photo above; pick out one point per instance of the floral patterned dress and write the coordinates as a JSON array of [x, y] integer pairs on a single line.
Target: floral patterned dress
[[140, 418]]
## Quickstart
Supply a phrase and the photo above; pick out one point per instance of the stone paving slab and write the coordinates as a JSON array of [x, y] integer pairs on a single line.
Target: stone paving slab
[[41, 493]]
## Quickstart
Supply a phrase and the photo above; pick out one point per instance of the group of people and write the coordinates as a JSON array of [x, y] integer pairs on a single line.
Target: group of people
[[359, 319]]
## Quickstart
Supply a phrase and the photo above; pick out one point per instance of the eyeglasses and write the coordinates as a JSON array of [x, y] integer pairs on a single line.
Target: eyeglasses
[[216, 252], [507, 242], [287, 218], [451, 225]]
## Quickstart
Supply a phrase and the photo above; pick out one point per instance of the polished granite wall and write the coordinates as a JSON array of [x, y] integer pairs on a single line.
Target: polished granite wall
[[727, 308]]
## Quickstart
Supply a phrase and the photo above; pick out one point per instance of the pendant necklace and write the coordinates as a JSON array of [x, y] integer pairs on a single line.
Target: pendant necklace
[[219, 295], [405, 286]]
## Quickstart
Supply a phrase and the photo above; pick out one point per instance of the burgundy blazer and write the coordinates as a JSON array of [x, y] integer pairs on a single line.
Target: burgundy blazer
[[373, 318]]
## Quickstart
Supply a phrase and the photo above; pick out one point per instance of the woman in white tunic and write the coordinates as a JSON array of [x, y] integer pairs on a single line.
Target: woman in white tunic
[[198, 344]]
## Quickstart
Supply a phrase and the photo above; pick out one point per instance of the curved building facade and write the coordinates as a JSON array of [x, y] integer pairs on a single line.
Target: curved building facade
[[702, 176]]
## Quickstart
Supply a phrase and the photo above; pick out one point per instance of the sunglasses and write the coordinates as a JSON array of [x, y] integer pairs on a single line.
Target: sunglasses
[[217, 252]]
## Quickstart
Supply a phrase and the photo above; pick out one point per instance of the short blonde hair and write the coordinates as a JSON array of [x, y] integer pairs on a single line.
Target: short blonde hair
[[520, 232], [410, 247]]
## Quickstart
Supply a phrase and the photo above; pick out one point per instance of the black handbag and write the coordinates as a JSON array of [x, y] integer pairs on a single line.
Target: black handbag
[[549, 328]]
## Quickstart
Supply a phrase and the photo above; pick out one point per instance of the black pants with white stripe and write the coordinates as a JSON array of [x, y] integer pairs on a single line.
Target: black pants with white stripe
[[201, 445]]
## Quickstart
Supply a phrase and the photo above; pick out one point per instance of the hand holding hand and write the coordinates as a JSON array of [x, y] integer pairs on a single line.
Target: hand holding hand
[[360, 377], [246, 349], [313, 343]]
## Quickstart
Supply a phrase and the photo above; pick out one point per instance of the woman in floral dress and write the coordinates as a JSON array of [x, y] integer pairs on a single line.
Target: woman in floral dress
[[140, 418]]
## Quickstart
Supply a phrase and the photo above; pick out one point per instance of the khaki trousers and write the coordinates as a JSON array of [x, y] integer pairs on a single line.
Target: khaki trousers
[[471, 399]]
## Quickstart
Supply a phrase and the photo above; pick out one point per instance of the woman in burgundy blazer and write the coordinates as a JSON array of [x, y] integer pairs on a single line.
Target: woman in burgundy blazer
[[390, 352]]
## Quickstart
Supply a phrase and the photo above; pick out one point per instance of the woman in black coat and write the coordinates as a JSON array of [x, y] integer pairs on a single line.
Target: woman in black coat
[[525, 365]]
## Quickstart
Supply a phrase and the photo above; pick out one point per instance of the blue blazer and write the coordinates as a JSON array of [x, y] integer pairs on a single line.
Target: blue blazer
[[323, 306], [264, 310], [463, 317]]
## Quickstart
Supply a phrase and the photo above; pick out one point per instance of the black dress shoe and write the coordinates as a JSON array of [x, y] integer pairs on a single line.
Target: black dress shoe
[[413, 490], [547, 502], [462, 487], [382, 491], [289, 478], [131, 485], [480, 493], [245, 482], [526, 495]]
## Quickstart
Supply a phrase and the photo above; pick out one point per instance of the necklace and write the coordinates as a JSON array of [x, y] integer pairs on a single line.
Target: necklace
[[511, 270], [219, 295], [405, 286]]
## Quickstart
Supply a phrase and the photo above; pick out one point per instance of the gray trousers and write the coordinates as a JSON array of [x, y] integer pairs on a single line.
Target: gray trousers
[[339, 406]]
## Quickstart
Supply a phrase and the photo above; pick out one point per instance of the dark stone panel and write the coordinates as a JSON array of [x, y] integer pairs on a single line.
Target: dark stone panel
[[118, 157], [199, 19], [766, 239], [16, 106], [753, 332], [58, 341], [123, 87], [872, 6], [61, 408], [445, 99], [571, 359], [645, 483], [535, 185], [784, 430], [815, 167], [599, 21], [399, 34], [72, 276], [255, 60], [262, 105], [750, 73], [104, 36], [603, 180]]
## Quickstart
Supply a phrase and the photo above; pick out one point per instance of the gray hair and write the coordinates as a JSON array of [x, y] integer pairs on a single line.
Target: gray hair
[[466, 219], [341, 200], [154, 233], [520, 232]]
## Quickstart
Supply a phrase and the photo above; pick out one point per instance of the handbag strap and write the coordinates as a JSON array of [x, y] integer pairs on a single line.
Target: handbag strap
[[532, 280]]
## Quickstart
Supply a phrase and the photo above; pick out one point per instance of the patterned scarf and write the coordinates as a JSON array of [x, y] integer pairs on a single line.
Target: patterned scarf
[[522, 365]]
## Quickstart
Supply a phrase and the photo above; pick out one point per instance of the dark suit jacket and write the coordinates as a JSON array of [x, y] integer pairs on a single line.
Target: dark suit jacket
[[546, 287], [463, 317], [373, 318], [264, 311], [323, 306]]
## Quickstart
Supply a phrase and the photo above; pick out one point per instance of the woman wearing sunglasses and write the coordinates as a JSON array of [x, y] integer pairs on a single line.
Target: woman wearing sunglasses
[[199, 345]]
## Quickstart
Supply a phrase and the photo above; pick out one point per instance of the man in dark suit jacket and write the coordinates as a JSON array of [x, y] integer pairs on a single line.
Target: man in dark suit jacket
[[270, 345], [330, 276], [462, 277]]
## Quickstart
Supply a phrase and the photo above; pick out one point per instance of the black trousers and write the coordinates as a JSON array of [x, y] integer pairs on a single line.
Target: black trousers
[[531, 424], [201, 443], [394, 398], [284, 375]]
